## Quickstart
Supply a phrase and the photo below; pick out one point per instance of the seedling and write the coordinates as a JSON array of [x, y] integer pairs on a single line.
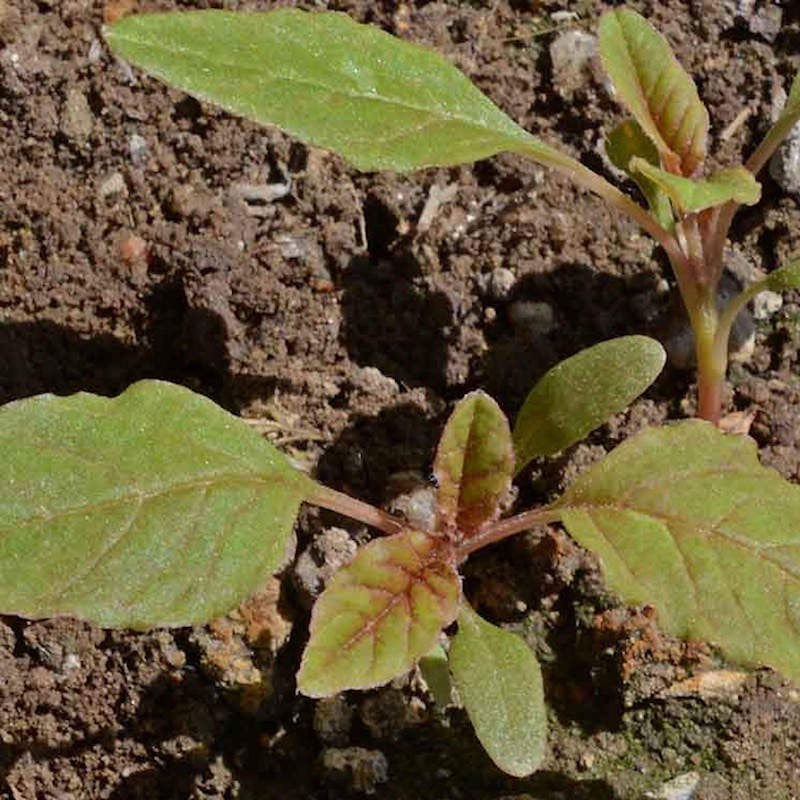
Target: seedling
[[158, 508], [383, 103]]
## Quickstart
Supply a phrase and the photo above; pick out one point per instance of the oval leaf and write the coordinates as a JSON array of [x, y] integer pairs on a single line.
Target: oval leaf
[[685, 518], [582, 392], [785, 278], [736, 183], [380, 614], [500, 683], [380, 102], [474, 464], [625, 142], [153, 508], [654, 86]]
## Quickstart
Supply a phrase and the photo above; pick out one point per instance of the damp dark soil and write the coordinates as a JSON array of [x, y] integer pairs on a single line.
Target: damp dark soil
[[144, 234]]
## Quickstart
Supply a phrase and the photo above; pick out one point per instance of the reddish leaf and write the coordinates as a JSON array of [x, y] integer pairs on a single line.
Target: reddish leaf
[[380, 614], [474, 464]]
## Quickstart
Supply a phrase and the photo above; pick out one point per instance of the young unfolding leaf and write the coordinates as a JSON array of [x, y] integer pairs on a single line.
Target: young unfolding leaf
[[654, 86], [152, 508], [380, 614], [380, 102], [623, 143], [474, 464], [582, 392], [685, 518], [736, 183], [500, 683]]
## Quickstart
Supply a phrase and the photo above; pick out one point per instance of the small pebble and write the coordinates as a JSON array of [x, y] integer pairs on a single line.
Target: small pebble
[[363, 769], [767, 303], [501, 281], [138, 149], [315, 566], [113, 187], [77, 119], [681, 787]]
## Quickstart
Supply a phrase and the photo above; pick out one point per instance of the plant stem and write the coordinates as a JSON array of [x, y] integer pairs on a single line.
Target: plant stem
[[712, 357], [595, 183], [502, 529], [355, 509]]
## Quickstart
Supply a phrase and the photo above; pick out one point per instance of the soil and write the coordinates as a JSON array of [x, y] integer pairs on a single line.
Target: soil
[[328, 309]]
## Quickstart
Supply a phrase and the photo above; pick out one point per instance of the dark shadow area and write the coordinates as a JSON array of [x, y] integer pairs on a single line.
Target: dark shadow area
[[584, 308], [372, 449], [393, 321], [179, 343]]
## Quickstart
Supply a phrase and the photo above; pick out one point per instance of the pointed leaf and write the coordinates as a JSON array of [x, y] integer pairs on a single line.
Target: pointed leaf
[[685, 518], [654, 86], [623, 143], [736, 183], [785, 278], [152, 508], [500, 683], [582, 392], [474, 463], [380, 614], [380, 102]]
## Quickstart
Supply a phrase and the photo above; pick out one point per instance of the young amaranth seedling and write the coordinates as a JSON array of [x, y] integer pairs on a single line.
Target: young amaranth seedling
[[158, 508], [386, 104]]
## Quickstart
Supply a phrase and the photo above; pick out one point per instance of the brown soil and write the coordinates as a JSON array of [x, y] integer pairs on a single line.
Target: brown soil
[[345, 329]]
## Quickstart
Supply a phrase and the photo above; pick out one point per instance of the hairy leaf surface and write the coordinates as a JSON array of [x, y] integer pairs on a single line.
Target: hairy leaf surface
[[500, 683], [785, 278], [686, 519], [655, 88], [474, 465], [152, 508], [736, 183], [582, 392], [623, 143], [380, 614], [380, 102]]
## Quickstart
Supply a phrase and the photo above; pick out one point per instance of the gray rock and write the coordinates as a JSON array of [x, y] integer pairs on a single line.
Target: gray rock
[[316, 565], [767, 303], [784, 166], [682, 787]]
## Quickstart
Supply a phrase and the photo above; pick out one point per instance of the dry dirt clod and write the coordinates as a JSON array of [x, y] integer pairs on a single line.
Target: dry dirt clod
[[362, 769]]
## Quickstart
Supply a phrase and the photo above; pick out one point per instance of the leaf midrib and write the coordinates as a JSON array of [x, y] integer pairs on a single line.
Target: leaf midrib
[[143, 496], [332, 91]]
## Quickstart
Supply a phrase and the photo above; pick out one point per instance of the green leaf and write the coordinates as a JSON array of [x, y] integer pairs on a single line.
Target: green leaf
[[500, 683], [685, 518], [785, 278], [152, 508], [736, 183], [380, 614], [380, 102], [582, 392], [474, 464], [656, 89], [622, 144], [436, 673]]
